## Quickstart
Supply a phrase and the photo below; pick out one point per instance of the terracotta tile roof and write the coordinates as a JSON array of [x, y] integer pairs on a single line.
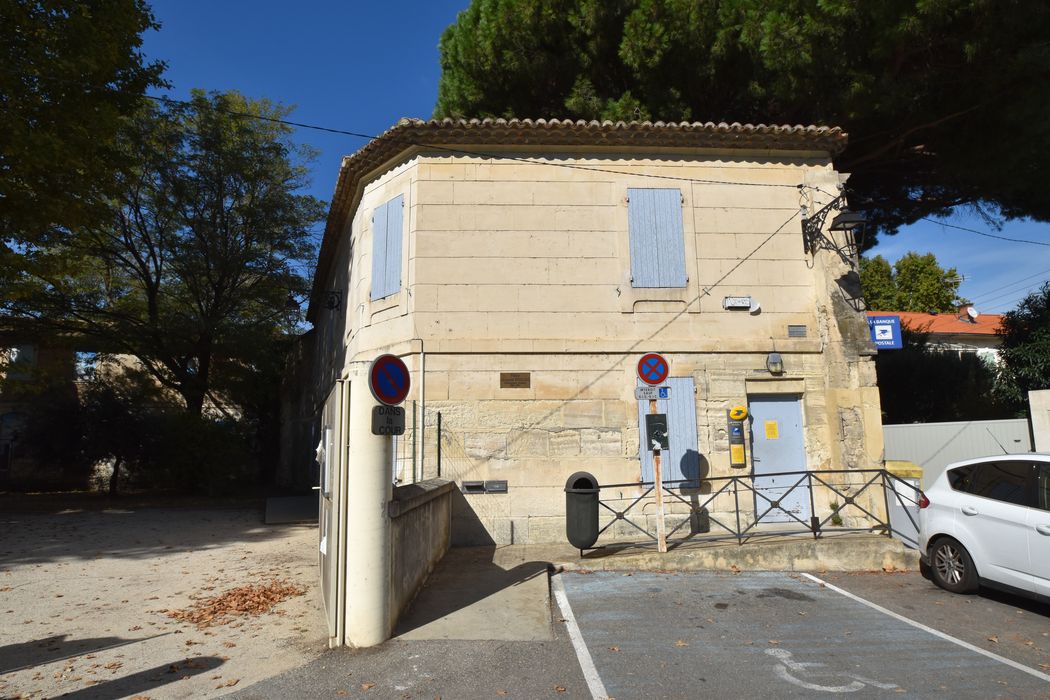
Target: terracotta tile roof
[[947, 323], [465, 136]]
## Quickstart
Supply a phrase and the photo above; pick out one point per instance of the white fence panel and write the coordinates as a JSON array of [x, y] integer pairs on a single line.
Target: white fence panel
[[935, 445]]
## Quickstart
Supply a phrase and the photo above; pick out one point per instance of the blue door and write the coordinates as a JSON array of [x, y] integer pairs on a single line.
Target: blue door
[[778, 445], [682, 460]]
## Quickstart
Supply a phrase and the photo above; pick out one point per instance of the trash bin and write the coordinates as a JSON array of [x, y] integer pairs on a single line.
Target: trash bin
[[581, 510]]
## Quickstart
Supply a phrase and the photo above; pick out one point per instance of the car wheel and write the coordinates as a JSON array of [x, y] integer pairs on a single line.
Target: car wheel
[[925, 571], [952, 567]]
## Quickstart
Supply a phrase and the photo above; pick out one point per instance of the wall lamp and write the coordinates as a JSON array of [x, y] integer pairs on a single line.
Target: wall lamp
[[847, 222], [775, 363], [333, 299]]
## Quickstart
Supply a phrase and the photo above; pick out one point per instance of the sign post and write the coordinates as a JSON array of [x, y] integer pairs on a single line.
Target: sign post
[[653, 370]]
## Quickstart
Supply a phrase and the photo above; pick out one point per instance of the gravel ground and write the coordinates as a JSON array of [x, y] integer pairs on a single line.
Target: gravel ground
[[84, 596]]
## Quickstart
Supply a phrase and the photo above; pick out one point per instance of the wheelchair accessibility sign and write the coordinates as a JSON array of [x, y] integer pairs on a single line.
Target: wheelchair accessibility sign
[[886, 332]]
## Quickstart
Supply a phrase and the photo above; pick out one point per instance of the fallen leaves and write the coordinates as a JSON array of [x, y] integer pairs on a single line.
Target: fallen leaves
[[367, 686], [559, 689], [681, 643], [994, 639], [614, 648], [248, 600]]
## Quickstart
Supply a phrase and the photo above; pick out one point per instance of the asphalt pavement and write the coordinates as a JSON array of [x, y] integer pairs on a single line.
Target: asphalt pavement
[[710, 634]]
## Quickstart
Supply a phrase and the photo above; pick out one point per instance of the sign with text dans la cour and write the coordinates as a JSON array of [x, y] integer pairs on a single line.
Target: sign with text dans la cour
[[653, 369], [389, 380]]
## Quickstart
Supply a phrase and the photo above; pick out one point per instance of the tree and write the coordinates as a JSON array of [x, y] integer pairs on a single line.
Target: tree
[[70, 72], [920, 384], [943, 101], [916, 283], [1025, 349], [876, 281], [192, 271]]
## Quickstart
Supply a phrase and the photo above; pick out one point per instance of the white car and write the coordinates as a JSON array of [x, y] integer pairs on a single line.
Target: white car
[[987, 522]]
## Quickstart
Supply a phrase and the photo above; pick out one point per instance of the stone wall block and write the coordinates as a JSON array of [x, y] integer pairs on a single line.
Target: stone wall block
[[528, 443], [616, 413], [583, 414], [565, 443], [603, 443], [485, 445]]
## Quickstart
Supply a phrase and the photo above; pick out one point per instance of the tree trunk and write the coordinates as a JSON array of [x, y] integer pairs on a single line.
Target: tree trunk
[[115, 476]]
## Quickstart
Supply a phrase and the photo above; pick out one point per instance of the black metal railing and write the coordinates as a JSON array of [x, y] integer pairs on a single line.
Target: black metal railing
[[854, 493]]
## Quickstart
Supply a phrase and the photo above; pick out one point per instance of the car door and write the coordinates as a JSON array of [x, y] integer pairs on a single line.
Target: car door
[[992, 521], [1039, 531]]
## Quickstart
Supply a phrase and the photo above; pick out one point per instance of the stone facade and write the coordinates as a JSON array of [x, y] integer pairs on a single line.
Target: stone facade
[[515, 258]]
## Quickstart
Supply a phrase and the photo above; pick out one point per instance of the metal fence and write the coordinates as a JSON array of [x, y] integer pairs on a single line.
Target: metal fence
[[734, 507], [417, 453]]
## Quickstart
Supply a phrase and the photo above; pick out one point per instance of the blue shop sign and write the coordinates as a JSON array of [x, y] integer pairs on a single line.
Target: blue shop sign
[[886, 332]]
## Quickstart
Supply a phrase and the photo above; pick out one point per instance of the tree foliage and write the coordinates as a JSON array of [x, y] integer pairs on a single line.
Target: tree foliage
[[191, 272], [944, 101], [921, 384], [1025, 349], [915, 283], [70, 72]]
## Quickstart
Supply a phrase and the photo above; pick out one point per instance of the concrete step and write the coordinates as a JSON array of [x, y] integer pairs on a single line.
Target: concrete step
[[851, 551]]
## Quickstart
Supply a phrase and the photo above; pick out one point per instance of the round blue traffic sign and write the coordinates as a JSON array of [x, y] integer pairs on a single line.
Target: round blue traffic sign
[[653, 369], [388, 379]]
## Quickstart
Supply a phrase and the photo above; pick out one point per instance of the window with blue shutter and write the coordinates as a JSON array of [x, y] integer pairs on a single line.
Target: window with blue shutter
[[386, 248], [682, 460], [654, 220]]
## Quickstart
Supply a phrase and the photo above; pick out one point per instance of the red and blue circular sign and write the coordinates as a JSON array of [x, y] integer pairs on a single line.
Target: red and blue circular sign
[[389, 380], [653, 369]]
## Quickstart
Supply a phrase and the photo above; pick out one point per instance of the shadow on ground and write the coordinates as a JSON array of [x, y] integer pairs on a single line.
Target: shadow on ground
[[149, 680], [39, 538]]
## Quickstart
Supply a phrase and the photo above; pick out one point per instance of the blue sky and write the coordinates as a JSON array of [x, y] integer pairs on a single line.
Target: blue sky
[[362, 66]]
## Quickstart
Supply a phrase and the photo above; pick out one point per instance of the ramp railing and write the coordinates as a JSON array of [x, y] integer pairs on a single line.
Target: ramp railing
[[746, 506]]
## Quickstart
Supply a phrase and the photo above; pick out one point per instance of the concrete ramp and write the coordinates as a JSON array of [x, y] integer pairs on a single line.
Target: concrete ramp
[[469, 597]]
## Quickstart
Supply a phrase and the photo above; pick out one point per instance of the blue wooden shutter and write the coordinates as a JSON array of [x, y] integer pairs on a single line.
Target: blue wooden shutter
[[387, 223], [682, 460], [654, 220], [394, 219], [379, 252]]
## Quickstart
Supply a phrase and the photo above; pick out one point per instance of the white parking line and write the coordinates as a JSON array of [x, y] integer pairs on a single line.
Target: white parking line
[[590, 673], [936, 633]]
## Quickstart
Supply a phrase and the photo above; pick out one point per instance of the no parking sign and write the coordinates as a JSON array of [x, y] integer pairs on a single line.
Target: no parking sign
[[389, 380]]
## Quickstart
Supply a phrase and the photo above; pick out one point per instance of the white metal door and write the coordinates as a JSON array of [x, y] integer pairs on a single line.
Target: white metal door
[[778, 445], [331, 509]]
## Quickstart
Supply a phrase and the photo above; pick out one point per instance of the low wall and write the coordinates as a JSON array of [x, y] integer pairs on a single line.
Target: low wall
[[420, 527]]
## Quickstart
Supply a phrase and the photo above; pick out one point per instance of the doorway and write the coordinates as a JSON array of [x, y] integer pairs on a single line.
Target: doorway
[[777, 446]]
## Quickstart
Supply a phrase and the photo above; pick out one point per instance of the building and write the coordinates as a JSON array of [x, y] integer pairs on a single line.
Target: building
[[522, 268], [965, 331]]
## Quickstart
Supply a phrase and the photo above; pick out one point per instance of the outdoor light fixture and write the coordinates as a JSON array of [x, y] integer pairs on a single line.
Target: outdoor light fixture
[[332, 300], [847, 222], [775, 363]]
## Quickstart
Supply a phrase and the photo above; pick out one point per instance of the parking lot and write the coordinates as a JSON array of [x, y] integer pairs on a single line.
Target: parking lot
[[790, 635], [85, 595]]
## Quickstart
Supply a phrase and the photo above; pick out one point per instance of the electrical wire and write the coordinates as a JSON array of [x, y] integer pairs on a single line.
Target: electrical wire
[[988, 292], [707, 290], [461, 151], [985, 233]]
